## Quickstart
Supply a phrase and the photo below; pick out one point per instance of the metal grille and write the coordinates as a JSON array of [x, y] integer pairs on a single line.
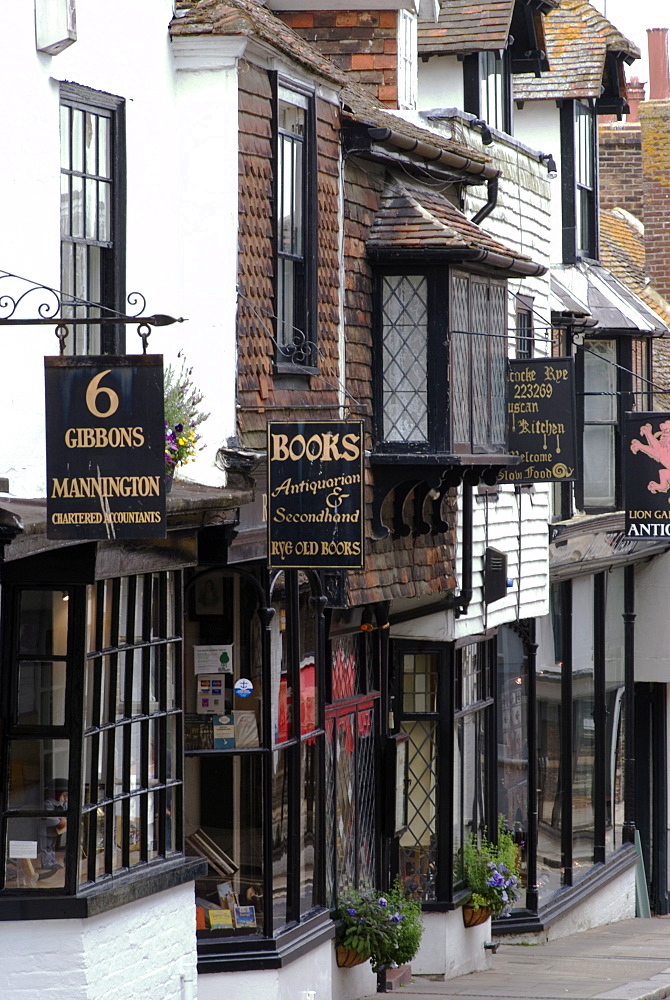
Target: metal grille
[[331, 895], [460, 359], [498, 306], [418, 857], [345, 802], [404, 365], [365, 768], [481, 389]]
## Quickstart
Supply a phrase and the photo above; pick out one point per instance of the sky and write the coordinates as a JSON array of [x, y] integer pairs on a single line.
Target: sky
[[632, 18]]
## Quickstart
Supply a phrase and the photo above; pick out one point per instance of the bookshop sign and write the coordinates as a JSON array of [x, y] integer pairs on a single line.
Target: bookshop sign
[[105, 447], [541, 421], [315, 494], [646, 475]]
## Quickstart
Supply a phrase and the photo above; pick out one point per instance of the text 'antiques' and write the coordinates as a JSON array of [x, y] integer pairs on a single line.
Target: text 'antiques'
[[315, 494], [541, 417], [646, 475], [105, 447]]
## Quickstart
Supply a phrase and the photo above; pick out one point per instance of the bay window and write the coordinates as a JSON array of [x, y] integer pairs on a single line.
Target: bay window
[[442, 347]]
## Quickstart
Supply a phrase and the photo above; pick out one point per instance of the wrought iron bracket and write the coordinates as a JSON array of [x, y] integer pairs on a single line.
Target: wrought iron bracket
[[53, 307]]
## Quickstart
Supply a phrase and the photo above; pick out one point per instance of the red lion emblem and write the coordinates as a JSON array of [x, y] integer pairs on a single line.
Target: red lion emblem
[[658, 448]]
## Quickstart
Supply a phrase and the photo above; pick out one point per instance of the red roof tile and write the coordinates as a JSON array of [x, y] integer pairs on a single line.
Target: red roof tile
[[464, 26], [578, 39]]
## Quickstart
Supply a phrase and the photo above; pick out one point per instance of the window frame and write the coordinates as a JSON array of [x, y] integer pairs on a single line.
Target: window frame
[[112, 267], [449, 711], [301, 355], [577, 195], [81, 629], [626, 399], [475, 90], [525, 331], [440, 357]]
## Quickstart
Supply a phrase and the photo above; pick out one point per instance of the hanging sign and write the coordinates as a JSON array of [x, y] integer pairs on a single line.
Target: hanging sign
[[541, 421], [105, 447], [646, 475], [315, 494]]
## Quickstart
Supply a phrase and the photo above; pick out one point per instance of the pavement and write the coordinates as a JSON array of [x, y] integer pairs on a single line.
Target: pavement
[[628, 960]]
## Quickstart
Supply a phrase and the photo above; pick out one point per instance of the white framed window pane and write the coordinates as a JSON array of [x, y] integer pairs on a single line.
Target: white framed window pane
[[404, 358], [600, 376], [599, 465]]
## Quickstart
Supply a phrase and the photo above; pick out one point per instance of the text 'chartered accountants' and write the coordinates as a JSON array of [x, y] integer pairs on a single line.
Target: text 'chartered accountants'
[[315, 494], [105, 447]]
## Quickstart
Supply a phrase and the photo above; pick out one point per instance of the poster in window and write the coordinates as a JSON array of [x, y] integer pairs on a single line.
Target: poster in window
[[541, 421], [105, 447], [315, 494], [646, 475]]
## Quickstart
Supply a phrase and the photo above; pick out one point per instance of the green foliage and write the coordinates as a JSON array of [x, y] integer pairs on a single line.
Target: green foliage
[[492, 871], [384, 927], [182, 416]]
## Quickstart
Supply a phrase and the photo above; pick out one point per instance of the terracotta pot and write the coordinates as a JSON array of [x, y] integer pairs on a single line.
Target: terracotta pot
[[347, 957], [472, 917]]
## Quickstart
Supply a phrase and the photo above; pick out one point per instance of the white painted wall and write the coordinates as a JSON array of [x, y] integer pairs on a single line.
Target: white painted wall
[[450, 949], [652, 622], [440, 83], [614, 902], [537, 124], [143, 951], [181, 208]]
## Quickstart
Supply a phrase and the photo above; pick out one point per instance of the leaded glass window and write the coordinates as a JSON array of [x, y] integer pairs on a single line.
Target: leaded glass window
[[404, 358]]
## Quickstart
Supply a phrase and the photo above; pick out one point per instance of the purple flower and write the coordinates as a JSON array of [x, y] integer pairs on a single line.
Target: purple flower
[[382, 902], [351, 911], [179, 428], [396, 918]]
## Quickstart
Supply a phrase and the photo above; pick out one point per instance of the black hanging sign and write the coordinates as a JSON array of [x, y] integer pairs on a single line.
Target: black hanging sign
[[541, 421], [646, 475], [315, 494], [105, 447]]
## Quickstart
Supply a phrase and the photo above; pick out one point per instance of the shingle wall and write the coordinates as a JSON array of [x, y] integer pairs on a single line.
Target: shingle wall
[[261, 394]]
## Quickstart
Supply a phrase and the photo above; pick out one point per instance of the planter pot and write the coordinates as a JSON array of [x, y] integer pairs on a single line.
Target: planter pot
[[472, 917], [347, 957], [169, 479]]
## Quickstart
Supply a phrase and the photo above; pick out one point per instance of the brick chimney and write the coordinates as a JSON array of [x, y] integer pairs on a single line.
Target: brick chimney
[[363, 43], [635, 93], [659, 71], [620, 167], [655, 126]]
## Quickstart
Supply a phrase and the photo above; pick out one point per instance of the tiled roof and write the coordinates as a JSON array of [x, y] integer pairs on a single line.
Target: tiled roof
[[410, 218], [464, 26], [364, 108], [252, 18], [578, 39], [622, 252]]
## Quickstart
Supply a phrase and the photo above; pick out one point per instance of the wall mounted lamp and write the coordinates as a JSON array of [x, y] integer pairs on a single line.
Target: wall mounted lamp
[[550, 164], [487, 138]]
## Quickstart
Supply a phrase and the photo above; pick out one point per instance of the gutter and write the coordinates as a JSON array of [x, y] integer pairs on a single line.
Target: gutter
[[455, 161], [491, 201], [474, 255]]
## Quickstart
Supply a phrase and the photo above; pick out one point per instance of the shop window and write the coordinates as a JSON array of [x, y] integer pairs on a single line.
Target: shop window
[[295, 229], [352, 756], [92, 215], [414, 413], [444, 702], [85, 806], [254, 756], [512, 736]]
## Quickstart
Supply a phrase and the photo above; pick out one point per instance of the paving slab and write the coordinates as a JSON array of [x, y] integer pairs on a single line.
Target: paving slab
[[628, 960]]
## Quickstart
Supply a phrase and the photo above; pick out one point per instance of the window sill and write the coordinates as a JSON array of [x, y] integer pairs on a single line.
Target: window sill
[[243, 954], [127, 888]]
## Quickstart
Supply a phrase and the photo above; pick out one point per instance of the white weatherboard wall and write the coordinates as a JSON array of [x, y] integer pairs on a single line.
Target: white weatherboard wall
[[142, 951], [181, 221]]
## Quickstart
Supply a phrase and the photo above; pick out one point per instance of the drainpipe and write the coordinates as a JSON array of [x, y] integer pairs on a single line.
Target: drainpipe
[[628, 832], [462, 600], [491, 201]]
